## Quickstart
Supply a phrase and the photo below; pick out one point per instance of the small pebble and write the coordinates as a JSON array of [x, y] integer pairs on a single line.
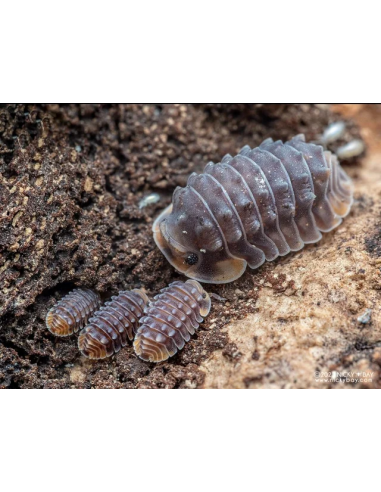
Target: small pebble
[[365, 317]]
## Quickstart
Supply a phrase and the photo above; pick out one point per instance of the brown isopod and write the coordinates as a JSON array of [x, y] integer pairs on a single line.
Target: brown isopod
[[251, 208], [170, 320], [72, 312], [111, 327]]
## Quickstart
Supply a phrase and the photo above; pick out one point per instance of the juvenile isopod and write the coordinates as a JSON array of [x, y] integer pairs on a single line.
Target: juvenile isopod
[[113, 325], [170, 320], [72, 312], [354, 148], [256, 206], [150, 199], [333, 132]]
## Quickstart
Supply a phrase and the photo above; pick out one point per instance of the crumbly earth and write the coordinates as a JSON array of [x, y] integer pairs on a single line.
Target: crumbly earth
[[71, 179]]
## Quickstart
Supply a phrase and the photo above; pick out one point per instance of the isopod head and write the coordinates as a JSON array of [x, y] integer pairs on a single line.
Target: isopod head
[[201, 258], [206, 303]]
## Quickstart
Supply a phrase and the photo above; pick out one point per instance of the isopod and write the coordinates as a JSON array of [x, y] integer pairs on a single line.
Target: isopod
[[170, 320], [149, 200], [72, 312], [333, 132], [256, 206], [113, 325], [354, 148]]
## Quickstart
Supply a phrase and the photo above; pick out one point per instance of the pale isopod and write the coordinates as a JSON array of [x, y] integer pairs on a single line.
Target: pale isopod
[[333, 132], [149, 200], [354, 148]]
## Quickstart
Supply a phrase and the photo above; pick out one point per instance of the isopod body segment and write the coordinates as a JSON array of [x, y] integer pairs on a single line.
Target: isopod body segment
[[72, 312], [170, 320], [251, 208], [113, 325]]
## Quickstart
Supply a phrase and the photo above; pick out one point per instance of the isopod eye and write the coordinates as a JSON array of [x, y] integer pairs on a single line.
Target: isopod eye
[[191, 259]]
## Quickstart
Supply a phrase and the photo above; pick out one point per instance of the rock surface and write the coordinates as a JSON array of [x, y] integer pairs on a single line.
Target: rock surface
[[316, 332], [71, 179]]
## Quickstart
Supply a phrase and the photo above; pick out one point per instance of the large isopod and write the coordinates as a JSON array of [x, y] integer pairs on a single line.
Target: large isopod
[[251, 208]]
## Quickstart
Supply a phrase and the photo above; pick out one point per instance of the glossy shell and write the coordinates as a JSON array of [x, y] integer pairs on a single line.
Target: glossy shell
[[333, 132], [256, 206], [72, 312], [170, 320], [354, 148], [113, 325]]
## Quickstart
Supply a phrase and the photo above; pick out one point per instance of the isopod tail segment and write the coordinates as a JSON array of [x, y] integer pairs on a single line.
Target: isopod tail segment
[[170, 320], [72, 312], [113, 325], [251, 208]]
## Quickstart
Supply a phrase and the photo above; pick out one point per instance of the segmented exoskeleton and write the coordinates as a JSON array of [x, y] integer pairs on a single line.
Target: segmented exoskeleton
[[253, 207], [72, 312], [113, 325], [170, 320]]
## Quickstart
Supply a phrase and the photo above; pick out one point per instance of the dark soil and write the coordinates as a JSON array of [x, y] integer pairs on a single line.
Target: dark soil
[[71, 178], [373, 243]]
